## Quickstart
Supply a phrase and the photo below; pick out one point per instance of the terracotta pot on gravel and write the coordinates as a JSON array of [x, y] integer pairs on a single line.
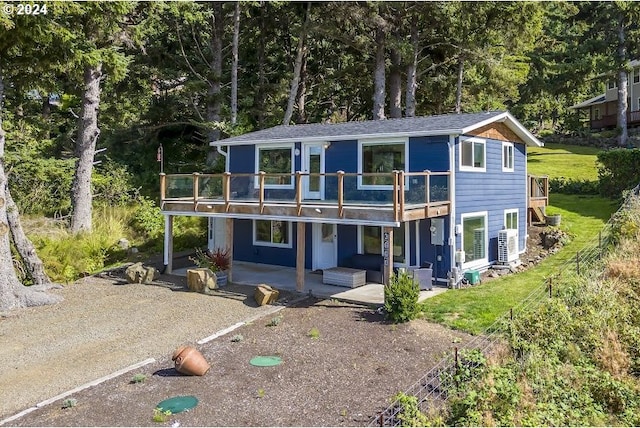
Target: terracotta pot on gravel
[[188, 360]]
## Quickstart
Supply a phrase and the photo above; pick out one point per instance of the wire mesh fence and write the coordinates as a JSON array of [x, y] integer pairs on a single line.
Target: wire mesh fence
[[431, 389]]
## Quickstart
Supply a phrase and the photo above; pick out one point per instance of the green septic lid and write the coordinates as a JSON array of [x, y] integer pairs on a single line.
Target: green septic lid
[[178, 404], [265, 361]]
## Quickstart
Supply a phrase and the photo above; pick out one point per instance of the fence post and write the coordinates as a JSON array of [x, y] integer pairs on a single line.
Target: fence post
[[511, 313], [382, 419], [455, 357], [550, 287], [600, 242], [578, 262]]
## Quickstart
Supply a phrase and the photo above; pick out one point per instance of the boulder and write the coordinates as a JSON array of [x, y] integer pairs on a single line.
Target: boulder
[[137, 273], [201, 280]]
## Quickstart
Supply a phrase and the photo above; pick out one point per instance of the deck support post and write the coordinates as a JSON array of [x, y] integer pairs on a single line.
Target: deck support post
[[229, 241], [300, 256], [168, 243], [387, 252]]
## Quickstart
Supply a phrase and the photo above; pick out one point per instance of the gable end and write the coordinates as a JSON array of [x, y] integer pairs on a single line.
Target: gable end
[[497, 131]]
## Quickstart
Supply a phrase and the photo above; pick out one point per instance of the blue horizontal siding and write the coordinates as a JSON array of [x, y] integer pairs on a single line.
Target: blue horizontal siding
[[244, 250], [493, 191]]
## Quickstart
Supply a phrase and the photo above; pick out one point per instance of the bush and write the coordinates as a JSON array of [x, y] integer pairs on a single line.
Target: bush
[[570, 186], [401, 298], [618, 170], [148, 219]]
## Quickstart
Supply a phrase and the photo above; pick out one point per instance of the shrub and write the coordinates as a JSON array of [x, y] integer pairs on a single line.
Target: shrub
[[618, 170], [401, 298], [573, 187], [148, 219]]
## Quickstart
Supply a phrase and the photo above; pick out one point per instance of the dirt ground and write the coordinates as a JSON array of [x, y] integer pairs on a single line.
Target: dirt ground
[[342, 377]]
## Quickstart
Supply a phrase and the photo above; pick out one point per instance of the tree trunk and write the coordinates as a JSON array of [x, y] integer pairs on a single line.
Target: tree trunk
[[459, 85], [234, 64], [293, 92], [215, 75], [12, 293], [395, 85], [623, 81], [33, 264], [412, 82], [302, 93], [88, 132], [379, 76], [262, 76]]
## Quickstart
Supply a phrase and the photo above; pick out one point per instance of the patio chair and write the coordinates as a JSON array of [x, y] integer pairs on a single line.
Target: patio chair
[[424, 278]]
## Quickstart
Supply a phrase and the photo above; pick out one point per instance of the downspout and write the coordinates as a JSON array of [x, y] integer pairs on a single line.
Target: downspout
[[452, 195], [226, 157], [211, 244]]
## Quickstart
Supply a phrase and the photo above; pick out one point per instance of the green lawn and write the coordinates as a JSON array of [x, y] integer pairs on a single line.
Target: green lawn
[[476, 308], [562, 160]]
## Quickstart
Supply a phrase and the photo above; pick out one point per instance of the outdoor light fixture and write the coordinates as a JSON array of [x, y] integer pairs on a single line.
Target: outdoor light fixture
[[318, 210]]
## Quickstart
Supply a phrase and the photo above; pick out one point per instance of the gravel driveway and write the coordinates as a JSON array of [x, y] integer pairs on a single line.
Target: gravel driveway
[[103, 326]]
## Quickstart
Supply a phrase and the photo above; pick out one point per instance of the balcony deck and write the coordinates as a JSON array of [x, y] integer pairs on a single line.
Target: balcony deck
[[391, 197], [611, 121]]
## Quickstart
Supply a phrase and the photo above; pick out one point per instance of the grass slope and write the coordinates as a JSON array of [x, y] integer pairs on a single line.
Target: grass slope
[[562, 160], [474, 309]]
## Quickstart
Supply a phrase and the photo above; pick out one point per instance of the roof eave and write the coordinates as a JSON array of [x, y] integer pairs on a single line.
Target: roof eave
[[513, 124], [339, 137]]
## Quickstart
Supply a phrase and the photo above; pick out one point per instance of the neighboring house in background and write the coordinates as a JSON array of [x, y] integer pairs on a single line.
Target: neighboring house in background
[[412, 190], [601, 111]]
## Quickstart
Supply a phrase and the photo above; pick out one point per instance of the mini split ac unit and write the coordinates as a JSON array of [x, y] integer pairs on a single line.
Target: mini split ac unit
[[507, 245]]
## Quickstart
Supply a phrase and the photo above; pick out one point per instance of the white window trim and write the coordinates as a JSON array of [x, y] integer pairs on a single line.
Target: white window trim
[[596, 113], [273, 244], [256, 180], [511, 211], [407, 243], [636, 76], [382, 142], [484, 154], [513, 156], [612, 84], [480, 262]]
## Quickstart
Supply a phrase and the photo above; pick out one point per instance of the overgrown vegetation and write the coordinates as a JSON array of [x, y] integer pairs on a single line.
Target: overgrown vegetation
[[68, 256], [572, 360]]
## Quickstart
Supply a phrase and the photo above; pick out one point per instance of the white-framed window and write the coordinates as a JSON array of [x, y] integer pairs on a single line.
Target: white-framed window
[[507, 157], [596, 114], [275, 160], [383, 157], [511, 219], [272, 233], [473, 154], [636, 75], [612, 84], [475, 239], [370, 242]]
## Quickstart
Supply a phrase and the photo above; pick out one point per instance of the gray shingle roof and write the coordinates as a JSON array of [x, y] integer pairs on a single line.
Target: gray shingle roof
[[429, 125]]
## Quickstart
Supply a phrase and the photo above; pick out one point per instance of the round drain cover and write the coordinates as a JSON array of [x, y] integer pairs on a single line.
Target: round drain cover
[[178, 404], [265, 361]]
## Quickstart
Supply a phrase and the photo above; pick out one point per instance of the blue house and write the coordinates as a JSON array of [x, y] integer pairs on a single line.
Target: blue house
[[451, 191]]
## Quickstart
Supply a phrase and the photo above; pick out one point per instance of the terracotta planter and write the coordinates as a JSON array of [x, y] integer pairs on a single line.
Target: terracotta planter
[[188, 360]]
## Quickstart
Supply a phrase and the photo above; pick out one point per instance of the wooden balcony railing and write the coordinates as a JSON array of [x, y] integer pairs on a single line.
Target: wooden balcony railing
[[538, 191], [396, 196], [611, 120]]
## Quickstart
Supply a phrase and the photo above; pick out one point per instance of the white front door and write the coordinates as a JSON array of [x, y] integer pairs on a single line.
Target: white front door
[[325, 246], [313, 163]]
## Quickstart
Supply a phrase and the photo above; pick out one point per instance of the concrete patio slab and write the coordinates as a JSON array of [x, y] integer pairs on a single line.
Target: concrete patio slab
[[284, 278]]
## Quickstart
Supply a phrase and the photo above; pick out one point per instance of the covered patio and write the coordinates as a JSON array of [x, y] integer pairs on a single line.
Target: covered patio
[[284, 278]]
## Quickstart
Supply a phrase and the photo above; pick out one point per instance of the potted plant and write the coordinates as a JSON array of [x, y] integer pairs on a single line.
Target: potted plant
[[216, 261]]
